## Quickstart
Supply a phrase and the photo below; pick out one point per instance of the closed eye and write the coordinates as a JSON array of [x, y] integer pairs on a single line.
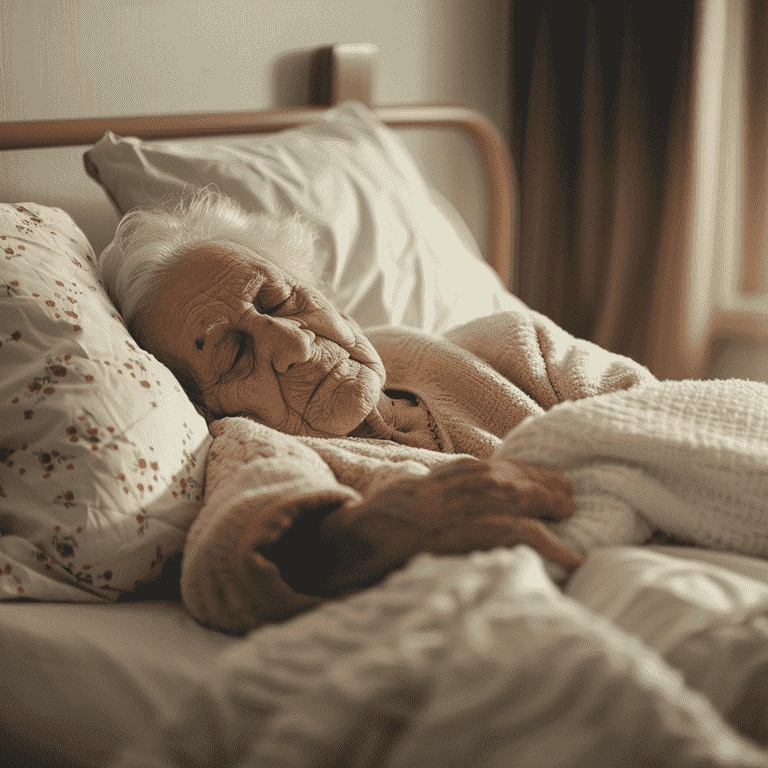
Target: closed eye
[[242, 342], [275, 302]]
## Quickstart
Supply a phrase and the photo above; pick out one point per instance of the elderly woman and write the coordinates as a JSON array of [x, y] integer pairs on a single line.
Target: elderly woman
[[337, 456]]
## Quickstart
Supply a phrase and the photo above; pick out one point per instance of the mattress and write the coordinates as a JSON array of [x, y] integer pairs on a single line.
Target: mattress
[[80, 680], [81, 683]]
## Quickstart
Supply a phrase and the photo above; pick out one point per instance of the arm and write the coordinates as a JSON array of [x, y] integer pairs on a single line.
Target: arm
[[545, 361], [459, 507], [261, 480], [253, 554], [278, 534]]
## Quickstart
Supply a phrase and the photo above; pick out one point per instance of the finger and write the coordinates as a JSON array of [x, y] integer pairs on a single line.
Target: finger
[[548, 476], [497, 531], [533, 500], [483, 534], [540, 538], [477, 495], [547, 503], [554, 479], [460, 466], [530, 475]]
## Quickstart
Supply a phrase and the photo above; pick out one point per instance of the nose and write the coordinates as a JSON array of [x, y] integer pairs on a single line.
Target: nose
[[283, 341]]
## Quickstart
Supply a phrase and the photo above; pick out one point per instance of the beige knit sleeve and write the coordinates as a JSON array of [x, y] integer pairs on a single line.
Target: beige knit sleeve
[[258, 482], [545, 361]]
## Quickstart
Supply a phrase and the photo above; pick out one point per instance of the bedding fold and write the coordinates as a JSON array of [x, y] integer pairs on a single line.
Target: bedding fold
[[477, 660], [689, 458]]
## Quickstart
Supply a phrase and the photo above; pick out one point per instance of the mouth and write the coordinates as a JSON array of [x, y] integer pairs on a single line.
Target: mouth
[[343, 396]]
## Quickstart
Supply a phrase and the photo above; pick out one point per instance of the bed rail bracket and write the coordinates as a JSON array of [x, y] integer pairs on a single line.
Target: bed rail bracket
[[344, 71]]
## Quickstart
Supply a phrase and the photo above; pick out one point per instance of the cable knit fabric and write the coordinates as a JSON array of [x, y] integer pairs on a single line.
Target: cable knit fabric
[[688, 458], [472, 660], [477, 383]]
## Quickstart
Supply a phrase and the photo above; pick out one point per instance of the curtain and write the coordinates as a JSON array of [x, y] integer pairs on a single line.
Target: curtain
[[755, 167], [605, 110]]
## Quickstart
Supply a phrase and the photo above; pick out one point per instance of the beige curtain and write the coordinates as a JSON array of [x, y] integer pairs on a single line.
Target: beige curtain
[[604, 118], [754, 41]]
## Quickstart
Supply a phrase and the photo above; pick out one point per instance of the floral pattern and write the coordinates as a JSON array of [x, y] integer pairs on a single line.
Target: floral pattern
[[101, 453]]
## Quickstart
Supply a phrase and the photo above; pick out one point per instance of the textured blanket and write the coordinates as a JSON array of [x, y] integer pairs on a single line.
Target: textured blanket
[[477, 661], [688, 458]]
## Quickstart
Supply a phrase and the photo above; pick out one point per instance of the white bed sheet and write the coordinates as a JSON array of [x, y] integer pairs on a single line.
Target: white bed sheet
[[80, 682], [77, 681]]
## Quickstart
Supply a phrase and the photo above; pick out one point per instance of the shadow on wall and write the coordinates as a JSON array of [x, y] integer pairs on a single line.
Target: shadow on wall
[[292, 73]]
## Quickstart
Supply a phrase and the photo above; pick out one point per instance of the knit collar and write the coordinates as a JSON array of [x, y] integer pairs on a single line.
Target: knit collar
[[401, 417]]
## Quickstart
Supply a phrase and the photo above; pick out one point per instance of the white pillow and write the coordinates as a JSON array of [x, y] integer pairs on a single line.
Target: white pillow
[[102, 455], [390, 252]]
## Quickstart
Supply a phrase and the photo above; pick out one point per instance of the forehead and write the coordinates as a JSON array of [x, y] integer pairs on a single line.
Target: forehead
[[212, 273], [207, 264]]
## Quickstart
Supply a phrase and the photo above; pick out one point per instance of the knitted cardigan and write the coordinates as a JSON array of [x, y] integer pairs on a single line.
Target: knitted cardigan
[[465, 392]]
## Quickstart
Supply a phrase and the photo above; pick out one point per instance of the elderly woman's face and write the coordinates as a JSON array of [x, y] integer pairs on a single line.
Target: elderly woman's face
[[253, 341]]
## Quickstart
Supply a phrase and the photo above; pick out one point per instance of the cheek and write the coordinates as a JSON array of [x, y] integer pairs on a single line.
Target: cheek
[[237, 396], [331, 324], [325, 320], [365, 353], [348, 330]]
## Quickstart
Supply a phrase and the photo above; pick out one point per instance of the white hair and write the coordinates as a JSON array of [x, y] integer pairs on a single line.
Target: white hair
[[149, 241]]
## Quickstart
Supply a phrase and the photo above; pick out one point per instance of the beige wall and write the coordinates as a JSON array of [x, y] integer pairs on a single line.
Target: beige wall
[[77, 58]]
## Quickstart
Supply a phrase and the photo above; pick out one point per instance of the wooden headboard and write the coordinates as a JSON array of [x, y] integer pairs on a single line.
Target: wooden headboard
[[344, 76]]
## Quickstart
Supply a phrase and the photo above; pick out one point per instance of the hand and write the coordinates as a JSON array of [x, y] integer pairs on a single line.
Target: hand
[[461, 506]]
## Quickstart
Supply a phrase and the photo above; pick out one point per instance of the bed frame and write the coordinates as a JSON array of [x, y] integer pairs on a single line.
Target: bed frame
[[340, 72]]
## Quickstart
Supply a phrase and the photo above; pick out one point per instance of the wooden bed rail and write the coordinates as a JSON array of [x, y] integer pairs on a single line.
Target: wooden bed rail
[[500, 183]]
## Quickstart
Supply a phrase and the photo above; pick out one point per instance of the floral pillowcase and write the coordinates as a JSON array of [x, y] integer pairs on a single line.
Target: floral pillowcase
[[102, 455]]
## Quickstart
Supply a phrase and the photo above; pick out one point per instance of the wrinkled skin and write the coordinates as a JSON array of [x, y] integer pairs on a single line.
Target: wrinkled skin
[[246, 338], [459, 507]]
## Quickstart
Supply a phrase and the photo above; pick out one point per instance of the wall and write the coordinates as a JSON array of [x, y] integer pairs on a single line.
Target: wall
[[78, 58]]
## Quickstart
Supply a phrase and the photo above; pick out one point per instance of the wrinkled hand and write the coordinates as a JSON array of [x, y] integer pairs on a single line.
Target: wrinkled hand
[[461, 506]]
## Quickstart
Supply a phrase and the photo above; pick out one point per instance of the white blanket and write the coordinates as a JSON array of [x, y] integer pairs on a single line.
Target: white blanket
[[688, 458], [481, 660], [476, 661]]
